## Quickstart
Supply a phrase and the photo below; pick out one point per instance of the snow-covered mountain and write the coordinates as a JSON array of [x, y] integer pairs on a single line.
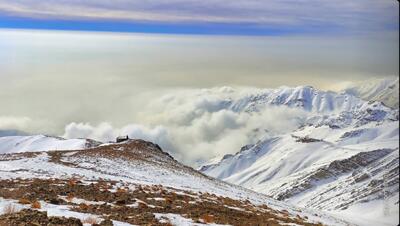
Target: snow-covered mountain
[[343, 159], [15, 144], [384, 90], [323, 168], [304, 97], [131, 183], [322, 107]]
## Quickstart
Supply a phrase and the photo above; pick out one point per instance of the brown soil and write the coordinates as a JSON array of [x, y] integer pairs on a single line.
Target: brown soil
[[28, 217], [136, 206]]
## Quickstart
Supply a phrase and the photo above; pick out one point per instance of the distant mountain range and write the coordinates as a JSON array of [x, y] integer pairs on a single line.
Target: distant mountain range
[[342, 158]]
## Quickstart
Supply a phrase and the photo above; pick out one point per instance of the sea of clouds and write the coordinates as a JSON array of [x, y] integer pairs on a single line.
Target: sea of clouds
[[196, 125]]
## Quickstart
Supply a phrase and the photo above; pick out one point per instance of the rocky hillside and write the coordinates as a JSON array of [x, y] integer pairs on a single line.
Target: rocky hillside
[[131, 183]]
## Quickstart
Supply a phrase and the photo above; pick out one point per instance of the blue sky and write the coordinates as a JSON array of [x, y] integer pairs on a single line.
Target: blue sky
[[16, 22], [241, 17]]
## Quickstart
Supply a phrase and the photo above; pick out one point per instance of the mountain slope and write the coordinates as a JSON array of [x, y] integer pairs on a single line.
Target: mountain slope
[[15, 144], [336, 160], [134, 182], [317, 107], [321, 167], [304, 97], [383, 90]]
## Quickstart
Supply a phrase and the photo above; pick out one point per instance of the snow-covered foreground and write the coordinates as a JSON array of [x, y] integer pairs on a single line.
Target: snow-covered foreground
[[137, 163], [52, 210], [15, 144]]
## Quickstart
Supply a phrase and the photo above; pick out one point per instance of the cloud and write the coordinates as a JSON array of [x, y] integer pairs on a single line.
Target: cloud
[[196, 125], [22, 125], [106, 132], [127, 79], [12, 122], [358, 14]]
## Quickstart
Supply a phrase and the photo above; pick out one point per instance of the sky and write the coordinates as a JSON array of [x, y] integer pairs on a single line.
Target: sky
[[240, 17], [99, 68]]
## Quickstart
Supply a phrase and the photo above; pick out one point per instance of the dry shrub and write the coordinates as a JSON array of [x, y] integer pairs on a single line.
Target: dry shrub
[[103, 185], [83, 206], [70, 197], [121, 190], [173, 196], [10, 209], [285, 213], [142, 205], [207, 218], [36, 205], [168, 200], [91, 220], [72, 182], [24, 201], [158, 187], [186, 199], [106, 186]]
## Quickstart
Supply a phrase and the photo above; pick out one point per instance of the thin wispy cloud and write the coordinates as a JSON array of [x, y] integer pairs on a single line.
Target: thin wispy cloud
[[302, 16]]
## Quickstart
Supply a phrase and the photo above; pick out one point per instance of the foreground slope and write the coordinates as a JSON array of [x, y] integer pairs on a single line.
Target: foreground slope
[[136, 183]]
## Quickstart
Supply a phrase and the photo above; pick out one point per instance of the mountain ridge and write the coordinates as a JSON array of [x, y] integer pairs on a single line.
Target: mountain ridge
[[135, 182]]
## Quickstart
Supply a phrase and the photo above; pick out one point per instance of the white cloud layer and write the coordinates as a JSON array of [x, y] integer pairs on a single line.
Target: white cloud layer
[[12, 122], [195, 125], [56, 78]]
